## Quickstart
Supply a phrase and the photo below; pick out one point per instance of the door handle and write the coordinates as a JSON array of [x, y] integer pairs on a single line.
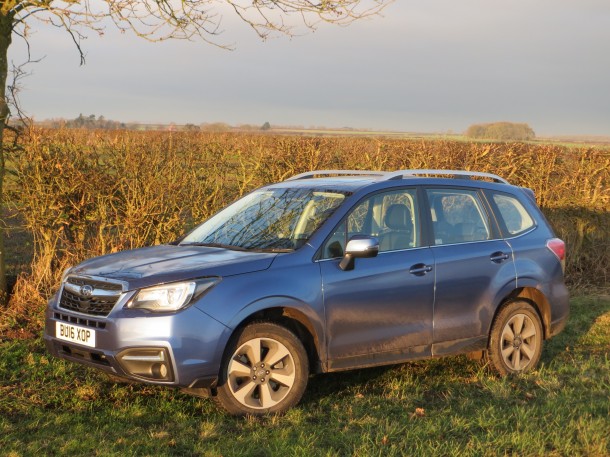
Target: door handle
[[420, 269], [498, 257]]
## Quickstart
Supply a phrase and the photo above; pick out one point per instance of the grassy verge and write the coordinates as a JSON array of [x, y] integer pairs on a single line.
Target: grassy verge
[[450, 406]]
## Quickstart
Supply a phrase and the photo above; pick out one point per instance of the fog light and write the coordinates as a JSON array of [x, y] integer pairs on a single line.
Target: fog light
[[148, 363], [159, 371]]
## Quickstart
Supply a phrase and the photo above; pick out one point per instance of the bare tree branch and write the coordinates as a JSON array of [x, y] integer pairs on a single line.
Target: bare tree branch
[[160, 20], [153, 20], [19, 73]]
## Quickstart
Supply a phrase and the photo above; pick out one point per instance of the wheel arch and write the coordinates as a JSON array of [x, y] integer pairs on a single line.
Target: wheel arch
[[292, 316], [538, 301]]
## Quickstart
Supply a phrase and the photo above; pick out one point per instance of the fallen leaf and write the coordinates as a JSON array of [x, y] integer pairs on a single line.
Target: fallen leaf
[[419, 412]]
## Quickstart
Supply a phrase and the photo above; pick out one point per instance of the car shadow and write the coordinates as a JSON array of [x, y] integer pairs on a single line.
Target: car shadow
[[343, 383], [585, 311]]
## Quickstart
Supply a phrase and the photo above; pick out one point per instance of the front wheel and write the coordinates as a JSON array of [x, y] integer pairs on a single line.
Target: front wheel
[[265, 370], [515, 342]]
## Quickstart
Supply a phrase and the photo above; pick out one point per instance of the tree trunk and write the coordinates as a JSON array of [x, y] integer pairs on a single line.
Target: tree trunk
[[6, 30]]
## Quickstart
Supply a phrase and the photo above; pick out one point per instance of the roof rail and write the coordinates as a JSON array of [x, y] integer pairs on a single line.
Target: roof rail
[[458, 174], [311, 174]]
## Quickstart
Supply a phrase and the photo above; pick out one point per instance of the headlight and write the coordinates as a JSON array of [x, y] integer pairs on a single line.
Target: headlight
[[171, 297]]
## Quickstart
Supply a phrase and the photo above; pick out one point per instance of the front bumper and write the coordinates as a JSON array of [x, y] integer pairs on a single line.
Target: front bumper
[[182, 349]]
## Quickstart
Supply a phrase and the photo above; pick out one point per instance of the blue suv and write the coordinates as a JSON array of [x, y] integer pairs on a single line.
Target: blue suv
[[327, 271]]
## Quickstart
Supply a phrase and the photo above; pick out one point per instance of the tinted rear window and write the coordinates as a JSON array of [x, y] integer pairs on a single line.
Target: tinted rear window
[[516, 218]]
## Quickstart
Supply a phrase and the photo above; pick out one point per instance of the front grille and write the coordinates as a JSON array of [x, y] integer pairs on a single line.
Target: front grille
[[79, 321], [92, 306], [97, 299]]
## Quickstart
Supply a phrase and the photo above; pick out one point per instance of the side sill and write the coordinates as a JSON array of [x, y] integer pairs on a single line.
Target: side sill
[[455, 347], [379, 359]]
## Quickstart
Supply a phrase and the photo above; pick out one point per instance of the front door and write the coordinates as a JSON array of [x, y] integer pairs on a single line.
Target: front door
[[381, 311]]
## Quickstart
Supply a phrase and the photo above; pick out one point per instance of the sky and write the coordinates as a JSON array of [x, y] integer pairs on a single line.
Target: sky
[[423, 66]]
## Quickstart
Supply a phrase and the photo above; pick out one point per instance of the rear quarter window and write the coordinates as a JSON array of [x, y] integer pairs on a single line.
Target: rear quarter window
[[514, 215]]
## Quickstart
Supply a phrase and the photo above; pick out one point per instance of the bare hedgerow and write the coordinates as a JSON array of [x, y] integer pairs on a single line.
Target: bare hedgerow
[[85, 193]]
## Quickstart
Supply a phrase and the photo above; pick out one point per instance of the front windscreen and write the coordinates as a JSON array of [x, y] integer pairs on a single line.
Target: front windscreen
[[269, 220]]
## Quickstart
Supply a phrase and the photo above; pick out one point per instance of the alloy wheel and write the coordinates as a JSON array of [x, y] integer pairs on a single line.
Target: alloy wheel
[[519, 342], [261, 373]]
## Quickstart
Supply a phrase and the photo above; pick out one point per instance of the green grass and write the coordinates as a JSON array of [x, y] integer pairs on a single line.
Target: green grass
[[450, 406]]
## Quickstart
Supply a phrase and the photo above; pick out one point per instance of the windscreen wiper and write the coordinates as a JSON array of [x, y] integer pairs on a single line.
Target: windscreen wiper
[[215, 245]]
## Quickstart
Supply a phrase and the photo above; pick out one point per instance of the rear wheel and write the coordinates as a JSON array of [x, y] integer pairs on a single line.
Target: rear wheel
[[265, 370], [515, 342]]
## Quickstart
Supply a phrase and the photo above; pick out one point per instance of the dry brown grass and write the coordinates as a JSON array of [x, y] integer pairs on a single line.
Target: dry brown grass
[[84, 193]]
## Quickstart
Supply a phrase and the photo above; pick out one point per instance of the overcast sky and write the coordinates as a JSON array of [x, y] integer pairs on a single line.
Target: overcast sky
[[425, 66]]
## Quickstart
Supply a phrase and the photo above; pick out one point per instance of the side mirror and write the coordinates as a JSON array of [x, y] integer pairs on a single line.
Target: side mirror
[[359, 246]]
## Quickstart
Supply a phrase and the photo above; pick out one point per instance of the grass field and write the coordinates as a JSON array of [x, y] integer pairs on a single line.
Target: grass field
[[450, 406]]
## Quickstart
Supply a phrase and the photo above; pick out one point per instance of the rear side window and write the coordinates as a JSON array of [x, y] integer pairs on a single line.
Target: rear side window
[[457, 216], [516, 218]]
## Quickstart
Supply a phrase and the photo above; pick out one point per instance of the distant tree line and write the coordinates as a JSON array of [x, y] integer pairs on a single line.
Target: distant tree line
[[501, 131], [90, 122], [93, 122]]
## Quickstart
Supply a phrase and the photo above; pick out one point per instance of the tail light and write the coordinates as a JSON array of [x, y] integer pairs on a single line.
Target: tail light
[[558, 247]]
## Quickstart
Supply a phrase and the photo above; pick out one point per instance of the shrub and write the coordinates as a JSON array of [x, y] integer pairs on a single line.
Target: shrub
[[505, 131], [86, 193]]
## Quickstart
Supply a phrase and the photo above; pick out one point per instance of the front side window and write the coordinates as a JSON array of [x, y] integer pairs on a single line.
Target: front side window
[[392, 217], [515, 216], [269, 220], [457, 216]]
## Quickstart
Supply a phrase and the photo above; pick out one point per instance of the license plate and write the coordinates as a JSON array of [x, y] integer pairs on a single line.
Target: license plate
[[75, 334]]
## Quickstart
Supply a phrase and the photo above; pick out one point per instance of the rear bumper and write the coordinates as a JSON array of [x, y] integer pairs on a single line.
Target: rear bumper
[[558, 326], [560, 309]]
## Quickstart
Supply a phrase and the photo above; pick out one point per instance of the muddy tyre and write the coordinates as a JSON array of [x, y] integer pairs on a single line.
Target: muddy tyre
[[265, 370], [516, 339]]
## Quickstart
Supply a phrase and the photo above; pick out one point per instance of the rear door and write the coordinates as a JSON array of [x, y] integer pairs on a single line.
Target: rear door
[[474, 267]]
